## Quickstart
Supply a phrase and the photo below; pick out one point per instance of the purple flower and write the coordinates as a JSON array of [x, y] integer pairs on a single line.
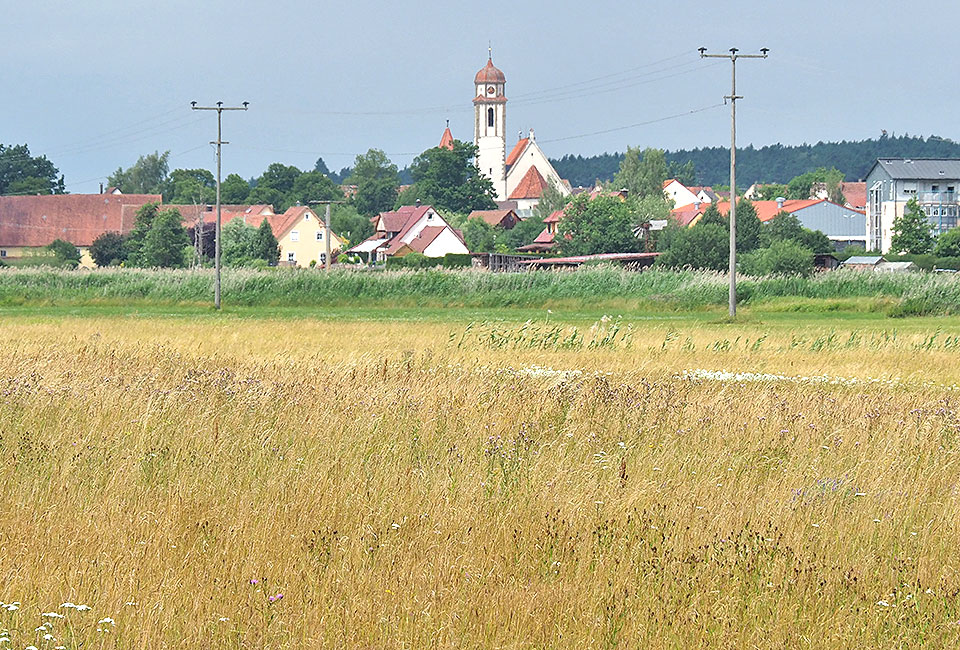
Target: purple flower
[[254, 581], [274, 599]]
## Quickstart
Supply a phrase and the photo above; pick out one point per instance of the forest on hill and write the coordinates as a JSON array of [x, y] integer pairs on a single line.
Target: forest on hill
[[774, 163]]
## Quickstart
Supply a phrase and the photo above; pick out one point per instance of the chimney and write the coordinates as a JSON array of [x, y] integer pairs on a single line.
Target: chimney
[[418, 203], [780, 201], [101, 188], [696, 205]]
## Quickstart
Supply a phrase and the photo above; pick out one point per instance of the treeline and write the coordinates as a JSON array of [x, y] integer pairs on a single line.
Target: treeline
[[774, 163]]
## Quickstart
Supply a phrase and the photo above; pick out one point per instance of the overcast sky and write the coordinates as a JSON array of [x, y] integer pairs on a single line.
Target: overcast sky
[[93, 88]]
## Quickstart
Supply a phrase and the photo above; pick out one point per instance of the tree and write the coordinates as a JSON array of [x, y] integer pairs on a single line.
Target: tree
[[64, 253], [783, 257], [238, 243], [147, 176], [233, 189], [786, 227], [377, 182], [802, 186], [321, 167], [451, 180], [260, 195], [165, 241], [948, 244], [523, 233], [602, 225], [107, 249], [712, 216], [705, 246], [748, 226], [479, 236], [22, 173], [642, 174], [314, 186], [551, 200], [350, 224], [911, 231], [142, 222], [686, 173], [190, 187], [266, 246], [771, 192]]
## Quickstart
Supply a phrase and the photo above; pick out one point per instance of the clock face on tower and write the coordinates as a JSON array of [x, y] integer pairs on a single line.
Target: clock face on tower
[[491, 91]]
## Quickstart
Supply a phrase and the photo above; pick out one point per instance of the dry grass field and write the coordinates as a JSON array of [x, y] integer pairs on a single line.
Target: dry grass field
[[375, 483]]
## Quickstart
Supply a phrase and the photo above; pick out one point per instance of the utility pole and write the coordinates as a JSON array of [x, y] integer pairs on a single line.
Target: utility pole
[[219, 108], [326, 263], [733, 97]]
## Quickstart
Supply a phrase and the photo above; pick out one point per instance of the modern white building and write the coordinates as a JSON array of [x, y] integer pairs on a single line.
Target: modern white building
[[892, 182]]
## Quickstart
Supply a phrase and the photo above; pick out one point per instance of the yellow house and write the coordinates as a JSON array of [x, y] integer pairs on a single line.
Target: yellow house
[[303, 236]]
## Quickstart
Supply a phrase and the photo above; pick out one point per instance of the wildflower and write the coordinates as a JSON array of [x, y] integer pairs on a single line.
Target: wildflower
[[67, 605], [223, 619], [51, 615], [883, 603], [274, 599], [395, 526], [30, 647], [48, 637], [876, 521], [130, 603], [82, 608], [254, 581], [860, 494], [107, 620]]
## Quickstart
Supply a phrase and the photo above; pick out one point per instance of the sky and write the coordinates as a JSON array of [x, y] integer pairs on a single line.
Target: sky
[[95, 85]]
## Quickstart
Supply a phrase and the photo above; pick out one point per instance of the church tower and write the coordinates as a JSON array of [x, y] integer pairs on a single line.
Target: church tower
[[490, 129]]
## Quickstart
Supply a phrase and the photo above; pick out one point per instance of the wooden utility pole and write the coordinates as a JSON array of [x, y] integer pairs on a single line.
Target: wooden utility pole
[[326, 264], [733, 97], [219, 108]]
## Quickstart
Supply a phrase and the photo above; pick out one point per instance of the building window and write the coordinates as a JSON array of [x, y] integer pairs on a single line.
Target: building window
[[292, 257], [294, 235], [934, 188], [489, 117], [306, 216], [319, 235], [3, 253], [323, 259]]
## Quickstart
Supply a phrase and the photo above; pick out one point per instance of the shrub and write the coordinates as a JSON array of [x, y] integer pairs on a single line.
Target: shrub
[[107, 249], [64, 253], [457, 260], [785, 257], [705, 246]]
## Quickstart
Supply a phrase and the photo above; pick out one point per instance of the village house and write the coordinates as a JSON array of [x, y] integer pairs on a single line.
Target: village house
[[683, 196], [30, 223], [411, 229], [300, 231], [842, 225], [505, 219], [892, 182]]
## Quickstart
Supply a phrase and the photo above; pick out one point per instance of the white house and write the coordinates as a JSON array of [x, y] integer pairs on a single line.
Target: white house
[[411, 229]]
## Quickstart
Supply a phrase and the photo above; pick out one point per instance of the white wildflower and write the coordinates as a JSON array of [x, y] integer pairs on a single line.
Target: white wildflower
[[51, 615], [883, 603], [107, 620], [82, 608], [67, 605], [223, 619], [48, 637]]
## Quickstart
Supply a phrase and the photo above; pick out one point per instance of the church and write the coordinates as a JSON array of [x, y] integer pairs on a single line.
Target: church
[[519, 177]]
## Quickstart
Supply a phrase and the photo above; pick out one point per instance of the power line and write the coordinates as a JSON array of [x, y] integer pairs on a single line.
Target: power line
[[632, 126]]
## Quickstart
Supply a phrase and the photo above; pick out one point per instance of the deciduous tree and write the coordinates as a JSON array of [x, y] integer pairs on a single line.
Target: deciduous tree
[[451, 179], [377, 182], [911, 231], [642, 174], [147, 176], [107, 249], [23, 173], [601, 225]]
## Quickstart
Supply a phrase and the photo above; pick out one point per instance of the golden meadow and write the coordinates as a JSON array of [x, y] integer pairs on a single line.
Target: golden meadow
[[295, 483]]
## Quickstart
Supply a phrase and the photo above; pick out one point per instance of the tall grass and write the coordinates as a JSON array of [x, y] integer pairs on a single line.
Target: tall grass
[[377, 485], [920, 293]]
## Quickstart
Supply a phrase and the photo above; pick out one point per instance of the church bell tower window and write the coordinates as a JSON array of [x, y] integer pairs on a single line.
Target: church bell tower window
[[489, 117]]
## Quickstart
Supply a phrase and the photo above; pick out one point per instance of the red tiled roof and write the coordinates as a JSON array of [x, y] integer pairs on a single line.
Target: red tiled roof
[[33, 221], [545, 237], [489, 74], [767, 210], [517, 151], [685, 215], [530, 187], [425, 237], [446, 141], [855, 194], [492, 217]]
